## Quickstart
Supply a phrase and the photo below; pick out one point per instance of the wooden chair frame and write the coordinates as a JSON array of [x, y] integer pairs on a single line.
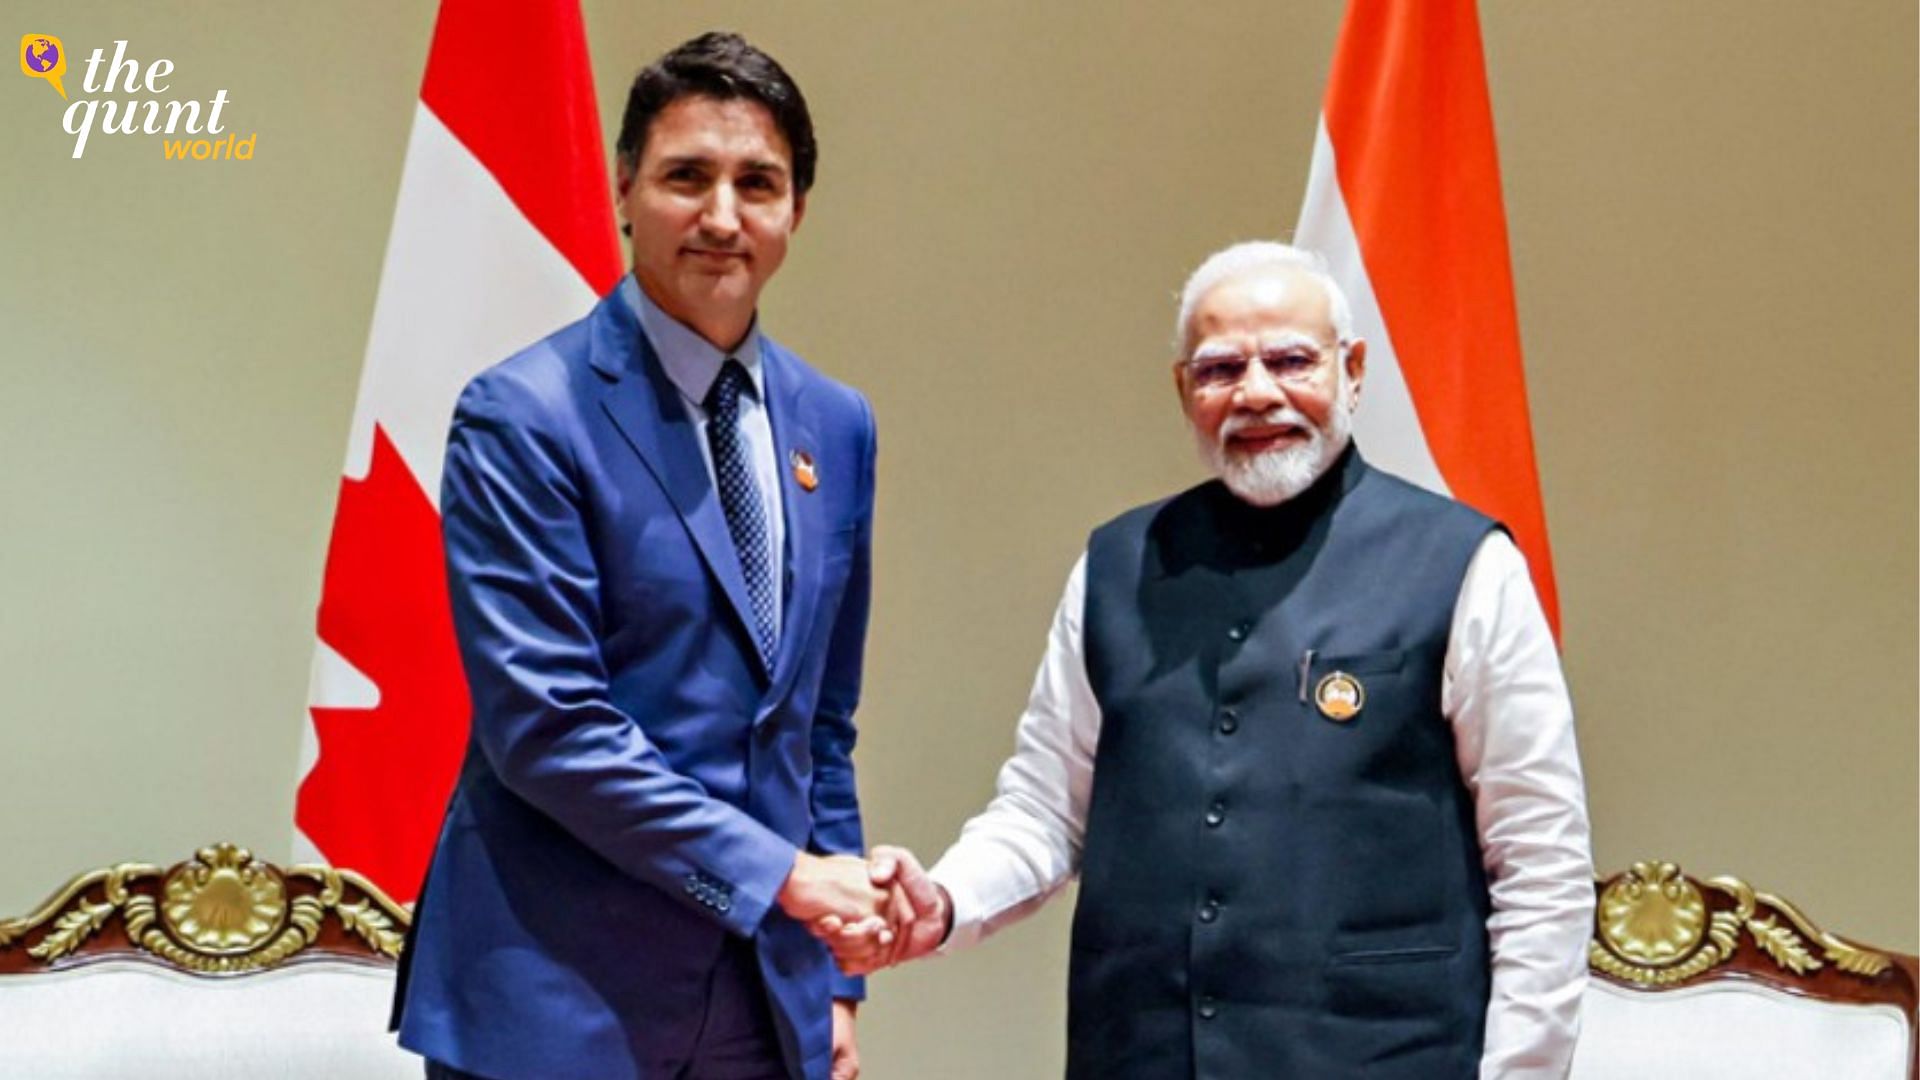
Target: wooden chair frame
[[220, 913], [1657, 928]]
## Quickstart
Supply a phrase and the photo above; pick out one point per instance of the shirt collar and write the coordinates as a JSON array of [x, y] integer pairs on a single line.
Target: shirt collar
[[691, 361]]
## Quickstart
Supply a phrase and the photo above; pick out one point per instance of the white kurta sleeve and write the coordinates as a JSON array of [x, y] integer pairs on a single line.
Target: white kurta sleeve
[[1025, 846], [1513, 730]]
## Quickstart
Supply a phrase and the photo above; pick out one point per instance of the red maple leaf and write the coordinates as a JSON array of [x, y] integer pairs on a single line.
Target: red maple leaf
[[374, 800]]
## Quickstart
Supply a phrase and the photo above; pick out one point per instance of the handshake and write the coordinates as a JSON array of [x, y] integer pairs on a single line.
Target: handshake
[[872, 913]]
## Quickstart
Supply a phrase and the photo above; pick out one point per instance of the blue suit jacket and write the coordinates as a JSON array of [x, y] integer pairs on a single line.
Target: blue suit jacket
[[637, 780]]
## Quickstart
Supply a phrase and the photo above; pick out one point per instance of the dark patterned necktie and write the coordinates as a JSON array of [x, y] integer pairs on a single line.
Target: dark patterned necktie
[[740, 500]]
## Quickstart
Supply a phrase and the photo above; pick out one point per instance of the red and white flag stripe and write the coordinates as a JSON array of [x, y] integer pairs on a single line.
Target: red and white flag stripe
[[1404, 200], [503, 232]]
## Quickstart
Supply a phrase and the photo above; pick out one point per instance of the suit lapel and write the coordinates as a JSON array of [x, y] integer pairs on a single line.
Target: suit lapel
[[647, 409], [792, 432]]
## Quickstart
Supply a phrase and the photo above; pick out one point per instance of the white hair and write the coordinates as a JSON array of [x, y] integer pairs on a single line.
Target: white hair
[[1237, 259]]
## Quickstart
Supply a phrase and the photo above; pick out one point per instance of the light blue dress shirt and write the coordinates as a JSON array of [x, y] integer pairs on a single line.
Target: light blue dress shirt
[[693, 363]]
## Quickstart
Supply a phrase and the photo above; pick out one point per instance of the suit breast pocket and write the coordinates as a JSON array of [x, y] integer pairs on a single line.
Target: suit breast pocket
[[1378, 662], [1373, 719], [1351, 689], [840, 544], [836, 566]]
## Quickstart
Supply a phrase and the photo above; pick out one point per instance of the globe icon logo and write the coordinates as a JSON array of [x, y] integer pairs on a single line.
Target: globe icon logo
[[42, 55]]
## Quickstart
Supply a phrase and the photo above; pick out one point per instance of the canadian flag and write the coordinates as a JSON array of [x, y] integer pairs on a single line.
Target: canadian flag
[[1404, 201], [503, 232]]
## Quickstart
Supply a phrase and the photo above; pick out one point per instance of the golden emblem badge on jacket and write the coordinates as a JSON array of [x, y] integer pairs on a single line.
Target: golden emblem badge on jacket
[[1339, 696]]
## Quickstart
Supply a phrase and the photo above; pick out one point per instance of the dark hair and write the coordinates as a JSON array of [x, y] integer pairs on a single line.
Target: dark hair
[[720, 65]]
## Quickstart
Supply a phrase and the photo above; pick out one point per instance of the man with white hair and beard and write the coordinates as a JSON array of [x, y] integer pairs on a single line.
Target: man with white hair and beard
[[1339, 827]]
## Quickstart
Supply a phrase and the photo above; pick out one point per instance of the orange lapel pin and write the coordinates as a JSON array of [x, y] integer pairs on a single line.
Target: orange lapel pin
[[803, 470]]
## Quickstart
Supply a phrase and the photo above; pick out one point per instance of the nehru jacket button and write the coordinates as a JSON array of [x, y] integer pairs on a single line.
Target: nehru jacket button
[[1229, 721], [1216, 814], [1208, 1009]]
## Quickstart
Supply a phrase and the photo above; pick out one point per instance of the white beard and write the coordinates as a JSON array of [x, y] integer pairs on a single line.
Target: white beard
[[1274, 476]]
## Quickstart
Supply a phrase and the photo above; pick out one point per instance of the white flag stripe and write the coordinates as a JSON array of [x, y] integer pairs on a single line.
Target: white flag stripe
[[337, 684], [334, 684], [1387, 427], [306, 851], [457, 238]]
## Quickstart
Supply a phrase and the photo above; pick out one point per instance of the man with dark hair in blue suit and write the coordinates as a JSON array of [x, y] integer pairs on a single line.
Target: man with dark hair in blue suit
[[657, 526]]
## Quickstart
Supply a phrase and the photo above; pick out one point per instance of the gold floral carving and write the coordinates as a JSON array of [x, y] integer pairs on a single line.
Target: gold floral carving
[[1845, 955], [1656, 929], [1653, 915], [225, 902], [219, 913], [75, 919], [366, 919]]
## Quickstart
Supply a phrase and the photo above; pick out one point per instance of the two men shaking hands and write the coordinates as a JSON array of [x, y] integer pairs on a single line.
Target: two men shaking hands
[[872, 913], [1339, 827]]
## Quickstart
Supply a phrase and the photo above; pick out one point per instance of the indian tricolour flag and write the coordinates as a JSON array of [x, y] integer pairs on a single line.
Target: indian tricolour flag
[[1404, 200], [503, 232]]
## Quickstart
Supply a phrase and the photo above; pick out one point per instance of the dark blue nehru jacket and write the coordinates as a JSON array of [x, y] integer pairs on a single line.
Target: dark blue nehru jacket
[[1267, 892]]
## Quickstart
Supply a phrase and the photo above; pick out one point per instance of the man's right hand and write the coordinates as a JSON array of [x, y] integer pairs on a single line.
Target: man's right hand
[[831, 885], [918, 918]]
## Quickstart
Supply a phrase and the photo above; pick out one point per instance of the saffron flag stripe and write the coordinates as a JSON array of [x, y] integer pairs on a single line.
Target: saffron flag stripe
[[502, 230], [1388, 426], [1410, 126]]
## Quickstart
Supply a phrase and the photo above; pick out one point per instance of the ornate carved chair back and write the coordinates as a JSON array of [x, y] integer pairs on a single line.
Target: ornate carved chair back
[[222, 912], [221, 965], [1707, 978]]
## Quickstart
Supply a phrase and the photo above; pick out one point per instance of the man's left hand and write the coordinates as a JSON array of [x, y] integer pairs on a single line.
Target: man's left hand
[[846, 1054]]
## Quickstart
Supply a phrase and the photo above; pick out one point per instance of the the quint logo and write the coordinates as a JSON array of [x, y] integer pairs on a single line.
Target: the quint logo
[[146, 108]]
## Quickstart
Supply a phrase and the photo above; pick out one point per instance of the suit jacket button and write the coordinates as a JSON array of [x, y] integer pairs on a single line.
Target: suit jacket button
[[1208, 1008], [1237, 632], [724, 905]]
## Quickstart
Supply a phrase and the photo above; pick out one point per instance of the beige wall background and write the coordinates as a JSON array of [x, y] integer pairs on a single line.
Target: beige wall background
[[1713, 213]]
